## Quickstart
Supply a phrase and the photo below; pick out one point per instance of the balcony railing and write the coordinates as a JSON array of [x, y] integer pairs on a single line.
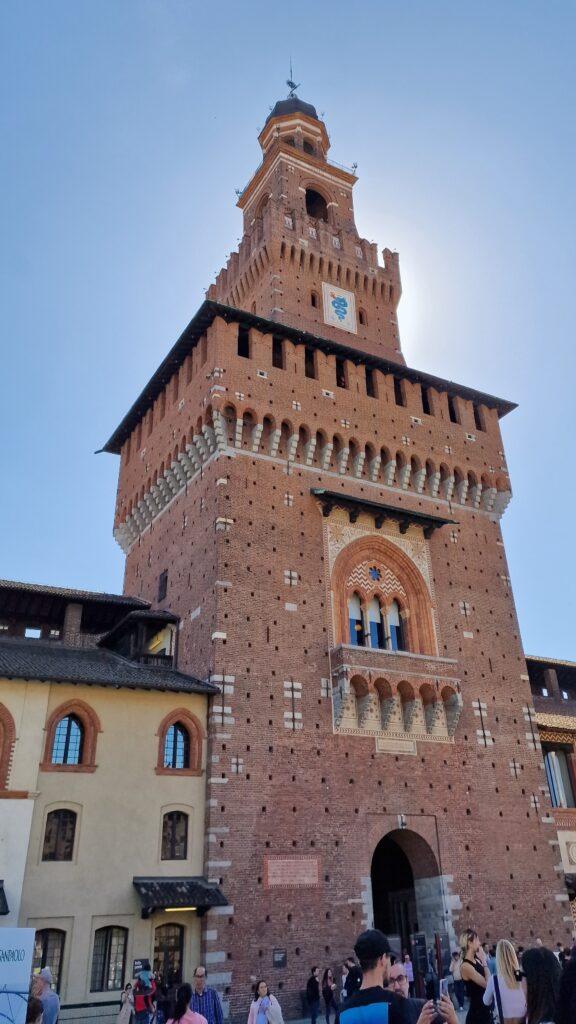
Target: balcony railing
[[397, 697], [156, 660]]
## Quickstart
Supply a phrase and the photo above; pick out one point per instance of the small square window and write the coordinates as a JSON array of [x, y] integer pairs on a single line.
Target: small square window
[[288, 223], [32, 633]]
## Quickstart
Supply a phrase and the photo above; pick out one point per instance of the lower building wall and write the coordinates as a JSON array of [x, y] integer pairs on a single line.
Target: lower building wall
[[15, 824], [75, 986]]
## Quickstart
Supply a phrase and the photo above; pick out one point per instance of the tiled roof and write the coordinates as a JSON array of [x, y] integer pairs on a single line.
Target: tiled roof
[[71, 594], [556, 721], [53, 662], [192, 891], [550, 661]]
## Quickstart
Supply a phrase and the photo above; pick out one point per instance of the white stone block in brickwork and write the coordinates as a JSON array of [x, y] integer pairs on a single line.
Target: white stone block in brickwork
[[291, 607], [216, 958]]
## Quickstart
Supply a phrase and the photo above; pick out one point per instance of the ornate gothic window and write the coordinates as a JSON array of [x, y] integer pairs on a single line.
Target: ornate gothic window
[[382, 599]]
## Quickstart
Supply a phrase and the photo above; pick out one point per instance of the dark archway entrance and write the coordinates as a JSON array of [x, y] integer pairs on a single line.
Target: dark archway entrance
[[407, 893]]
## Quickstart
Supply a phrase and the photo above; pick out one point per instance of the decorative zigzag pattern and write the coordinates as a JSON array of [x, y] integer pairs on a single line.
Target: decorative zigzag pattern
[[388, 584]]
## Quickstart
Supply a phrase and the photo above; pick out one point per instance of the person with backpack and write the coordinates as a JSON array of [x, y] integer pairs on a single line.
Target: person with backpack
[[144, 993]]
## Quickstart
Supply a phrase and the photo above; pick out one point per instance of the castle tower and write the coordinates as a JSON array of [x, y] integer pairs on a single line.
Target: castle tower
[[300, 252], [325, 521]]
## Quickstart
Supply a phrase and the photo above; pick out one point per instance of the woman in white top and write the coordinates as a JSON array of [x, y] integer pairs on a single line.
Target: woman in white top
[[505, 985]]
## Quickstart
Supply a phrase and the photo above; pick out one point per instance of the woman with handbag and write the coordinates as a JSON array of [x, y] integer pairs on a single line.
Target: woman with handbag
[[504, 988], [265, 1008]]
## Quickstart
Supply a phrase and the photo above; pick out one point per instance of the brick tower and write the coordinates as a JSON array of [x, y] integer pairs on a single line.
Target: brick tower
[[325, 521]]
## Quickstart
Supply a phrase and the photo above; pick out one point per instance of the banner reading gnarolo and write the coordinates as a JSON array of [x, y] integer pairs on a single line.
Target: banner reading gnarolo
[[16, 950]]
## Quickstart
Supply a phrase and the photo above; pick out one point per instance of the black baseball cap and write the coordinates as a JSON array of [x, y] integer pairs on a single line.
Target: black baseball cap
[[371, 945]]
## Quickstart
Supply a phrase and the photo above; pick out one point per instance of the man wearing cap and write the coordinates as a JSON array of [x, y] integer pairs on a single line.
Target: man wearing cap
[[373, 1004], [48, 998]]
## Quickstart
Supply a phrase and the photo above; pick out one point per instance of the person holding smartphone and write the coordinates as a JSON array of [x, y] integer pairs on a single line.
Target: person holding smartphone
[[476, 975]]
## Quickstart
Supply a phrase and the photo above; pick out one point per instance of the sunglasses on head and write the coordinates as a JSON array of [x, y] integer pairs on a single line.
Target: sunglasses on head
[[519, 975]]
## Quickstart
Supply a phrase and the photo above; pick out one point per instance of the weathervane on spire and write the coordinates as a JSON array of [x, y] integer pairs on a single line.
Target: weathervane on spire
[[291, 83]]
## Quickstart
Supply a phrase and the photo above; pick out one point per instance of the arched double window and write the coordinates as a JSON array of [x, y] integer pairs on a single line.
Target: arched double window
[[177, 747], [180, 744], [71, 732], [108, 959], [49, 952], [59, 834], [68, 742]]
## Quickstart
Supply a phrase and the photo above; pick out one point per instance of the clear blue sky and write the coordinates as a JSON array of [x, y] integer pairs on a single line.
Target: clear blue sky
[[127, 125]]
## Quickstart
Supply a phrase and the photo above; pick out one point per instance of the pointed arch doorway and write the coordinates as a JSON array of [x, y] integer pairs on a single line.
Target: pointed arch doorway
[[407, 890]]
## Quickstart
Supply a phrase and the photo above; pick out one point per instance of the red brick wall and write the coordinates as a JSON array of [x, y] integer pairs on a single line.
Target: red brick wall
[[313, 792]]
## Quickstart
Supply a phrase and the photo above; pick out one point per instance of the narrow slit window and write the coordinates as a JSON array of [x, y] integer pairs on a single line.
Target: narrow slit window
[[278, 353], [399, 397], [162, 585], [478, 418], [243, 342], [341, 380], [370, 382], [452, 410], [426, 404], [310, 363]]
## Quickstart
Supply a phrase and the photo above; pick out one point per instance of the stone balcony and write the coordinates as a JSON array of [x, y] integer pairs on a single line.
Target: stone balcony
[[397, 697]]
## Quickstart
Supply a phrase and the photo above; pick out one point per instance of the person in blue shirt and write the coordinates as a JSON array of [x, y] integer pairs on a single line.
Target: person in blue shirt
[[205, 1000]]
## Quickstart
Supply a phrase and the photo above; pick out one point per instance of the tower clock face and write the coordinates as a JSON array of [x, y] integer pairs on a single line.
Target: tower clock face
[[339, 307]]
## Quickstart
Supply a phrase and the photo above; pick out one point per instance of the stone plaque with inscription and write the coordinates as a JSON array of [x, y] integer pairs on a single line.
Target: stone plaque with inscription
[[291, 871]]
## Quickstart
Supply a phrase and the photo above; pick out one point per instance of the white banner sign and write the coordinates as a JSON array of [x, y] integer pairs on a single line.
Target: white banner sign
[[339, 307], [16, 950]]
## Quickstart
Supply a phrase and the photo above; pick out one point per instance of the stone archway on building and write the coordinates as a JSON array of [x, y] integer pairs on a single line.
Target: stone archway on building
[[407, 888]]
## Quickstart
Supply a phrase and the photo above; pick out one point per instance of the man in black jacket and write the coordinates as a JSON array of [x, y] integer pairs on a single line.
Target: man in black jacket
[[313, 994]]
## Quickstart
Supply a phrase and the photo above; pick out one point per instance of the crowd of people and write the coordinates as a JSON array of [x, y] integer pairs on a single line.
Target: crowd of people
[[501, 984]]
